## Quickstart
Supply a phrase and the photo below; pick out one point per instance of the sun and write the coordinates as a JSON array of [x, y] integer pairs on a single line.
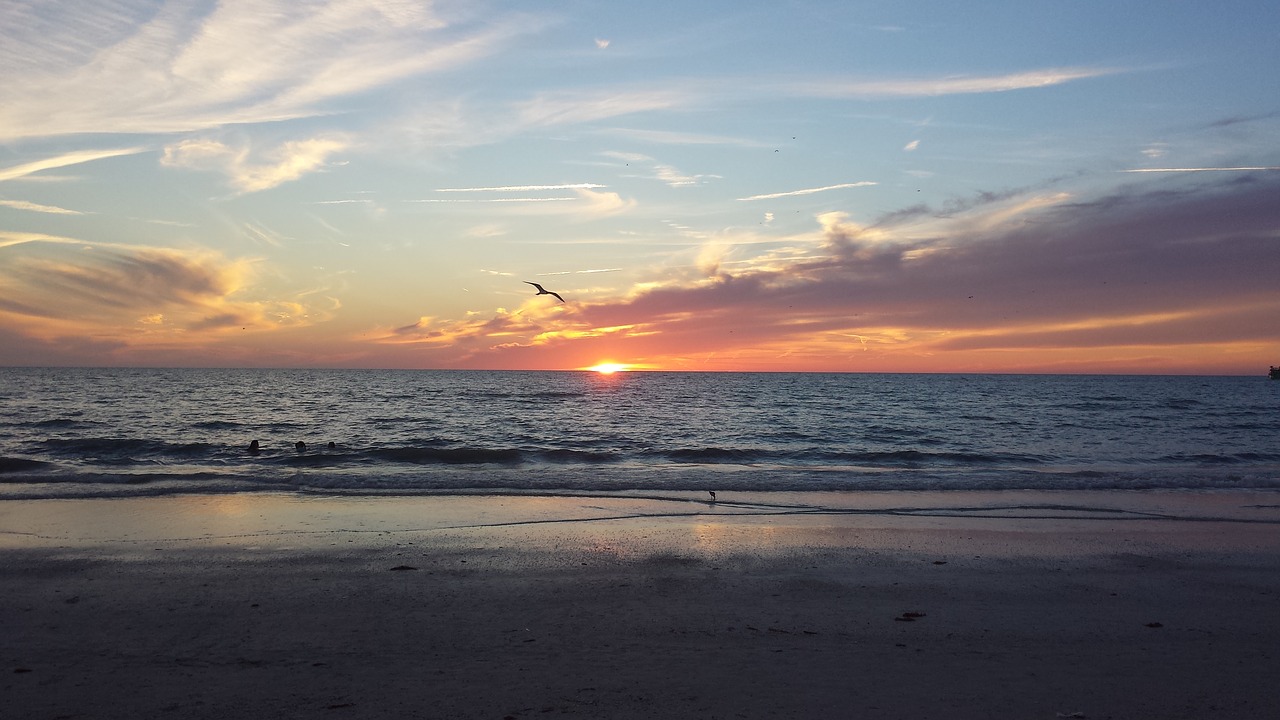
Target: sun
[[608, 368]]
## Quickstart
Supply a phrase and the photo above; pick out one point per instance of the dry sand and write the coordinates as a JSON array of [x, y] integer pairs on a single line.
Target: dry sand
[[894, 605]]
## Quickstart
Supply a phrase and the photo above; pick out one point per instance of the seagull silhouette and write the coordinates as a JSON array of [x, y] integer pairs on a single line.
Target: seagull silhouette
[[542, 291]]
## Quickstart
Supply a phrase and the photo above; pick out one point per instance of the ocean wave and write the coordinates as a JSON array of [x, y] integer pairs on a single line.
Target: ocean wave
[[59, 424], [217, 425], [1223, 458], [13, 465], [123, 450], [449, 431], [821, 456], [919, 458], [437, 451], [488, 456], [564, 455], [449, 455], [714, 455], [528, 396]]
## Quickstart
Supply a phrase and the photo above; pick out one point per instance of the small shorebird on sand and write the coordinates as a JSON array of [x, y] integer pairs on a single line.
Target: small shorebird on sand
[[542, 291]]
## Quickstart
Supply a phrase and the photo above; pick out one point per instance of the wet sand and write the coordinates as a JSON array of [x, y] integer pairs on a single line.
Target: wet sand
[[888, 605]]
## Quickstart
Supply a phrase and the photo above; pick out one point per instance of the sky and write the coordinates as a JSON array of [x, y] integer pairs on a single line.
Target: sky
[[804, 185]]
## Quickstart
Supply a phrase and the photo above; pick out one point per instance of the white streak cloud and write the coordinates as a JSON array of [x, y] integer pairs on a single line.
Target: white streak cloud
[[951, 85], [64, 160], [808, 191], [525, 188], [11, 239], [563, 108], [498, 200], [35, 207]]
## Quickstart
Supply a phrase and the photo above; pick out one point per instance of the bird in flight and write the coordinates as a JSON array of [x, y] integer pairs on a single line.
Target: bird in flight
[[542, 291]]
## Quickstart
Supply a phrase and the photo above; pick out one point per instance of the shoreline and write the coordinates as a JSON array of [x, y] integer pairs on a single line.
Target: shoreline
[[1124, 604], [1169, 515]]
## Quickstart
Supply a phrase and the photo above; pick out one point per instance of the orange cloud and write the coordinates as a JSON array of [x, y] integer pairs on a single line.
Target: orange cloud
[[136, 297], [1179, 280], [1027, 282]]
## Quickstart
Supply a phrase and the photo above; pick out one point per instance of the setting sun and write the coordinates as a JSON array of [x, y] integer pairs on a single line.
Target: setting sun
[[607, 368]]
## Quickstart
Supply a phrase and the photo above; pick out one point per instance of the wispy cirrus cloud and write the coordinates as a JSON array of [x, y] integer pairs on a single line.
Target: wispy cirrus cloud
[[522, 188], [36, 207], [135, 67], [574, 107], [657, 170], [64, 160], [587, 202], [245, 173], [9, 238], [440, 123], [500, 194], [497, 200], [584, 106], [947, 85], [808, 191], [583, 272]]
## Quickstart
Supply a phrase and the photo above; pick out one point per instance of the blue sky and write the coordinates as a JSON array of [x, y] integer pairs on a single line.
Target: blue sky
[[921, 186]]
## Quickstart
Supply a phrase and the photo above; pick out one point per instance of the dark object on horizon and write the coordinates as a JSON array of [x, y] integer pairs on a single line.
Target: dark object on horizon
[[541, 291], [253, 448], [1275, 373], [332, 445], [713, 495], [300, 446]]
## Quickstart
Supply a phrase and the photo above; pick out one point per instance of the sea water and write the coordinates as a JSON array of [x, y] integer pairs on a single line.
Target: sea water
[[69, 432]]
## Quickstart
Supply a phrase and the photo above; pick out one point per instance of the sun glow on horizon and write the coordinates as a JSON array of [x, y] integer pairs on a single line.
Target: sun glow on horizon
[[284, 219]]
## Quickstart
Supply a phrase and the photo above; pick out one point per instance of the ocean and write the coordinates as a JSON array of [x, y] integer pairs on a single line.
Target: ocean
[[71, 432]]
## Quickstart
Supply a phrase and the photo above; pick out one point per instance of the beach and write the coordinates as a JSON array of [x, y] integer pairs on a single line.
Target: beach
[[1018, 604]]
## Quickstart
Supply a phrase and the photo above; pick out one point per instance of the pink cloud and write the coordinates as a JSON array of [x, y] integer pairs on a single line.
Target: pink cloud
[[1163, 268]]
